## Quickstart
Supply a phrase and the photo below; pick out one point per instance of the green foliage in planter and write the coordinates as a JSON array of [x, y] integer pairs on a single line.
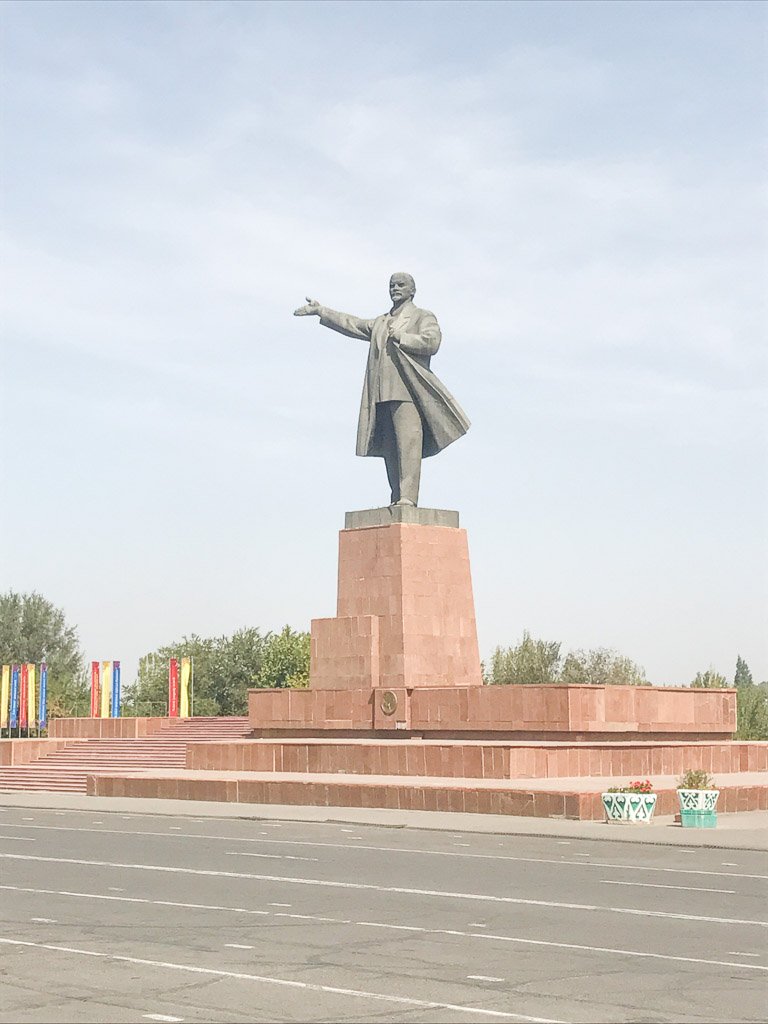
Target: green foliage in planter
[[696, 778]]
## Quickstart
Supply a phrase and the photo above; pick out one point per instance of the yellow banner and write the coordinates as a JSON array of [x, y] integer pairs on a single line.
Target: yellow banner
[[5, 696], [186, 671], [106, 688], [31, 704]]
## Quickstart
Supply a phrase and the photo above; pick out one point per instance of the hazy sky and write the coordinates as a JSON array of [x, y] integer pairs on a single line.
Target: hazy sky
[[576, 188]]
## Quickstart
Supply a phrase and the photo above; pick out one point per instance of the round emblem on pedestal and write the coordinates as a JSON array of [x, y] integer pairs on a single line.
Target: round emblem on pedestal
[[388, 702]]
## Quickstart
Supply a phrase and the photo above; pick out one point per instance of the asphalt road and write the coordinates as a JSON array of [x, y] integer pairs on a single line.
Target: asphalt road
[[115, 917]]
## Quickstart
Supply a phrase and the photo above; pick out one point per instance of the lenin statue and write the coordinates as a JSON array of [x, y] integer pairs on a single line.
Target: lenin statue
[[406, 413]]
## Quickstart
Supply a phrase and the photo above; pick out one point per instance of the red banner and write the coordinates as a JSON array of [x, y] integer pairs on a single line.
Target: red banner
[[24, 697], [95, 690], [173, 688]]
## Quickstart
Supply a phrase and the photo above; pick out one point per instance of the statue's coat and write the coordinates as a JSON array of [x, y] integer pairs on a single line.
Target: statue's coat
[[443, 419]]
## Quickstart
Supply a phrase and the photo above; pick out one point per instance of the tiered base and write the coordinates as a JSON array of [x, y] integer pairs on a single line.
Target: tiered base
[[577, 799], [538, 779]]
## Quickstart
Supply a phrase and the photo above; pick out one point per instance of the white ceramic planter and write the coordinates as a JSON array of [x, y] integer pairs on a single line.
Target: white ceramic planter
[[698, 799], [629, 807], [698, 807]]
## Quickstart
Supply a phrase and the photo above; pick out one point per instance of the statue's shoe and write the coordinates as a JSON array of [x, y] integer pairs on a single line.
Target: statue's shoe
[[403, 502]]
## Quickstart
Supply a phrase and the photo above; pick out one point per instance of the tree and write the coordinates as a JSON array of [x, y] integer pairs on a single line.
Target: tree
[[531, 661], [33, 629], [752, 712], [601, 667], [742, 677], [225, 668], [709, 680], [286, 660]]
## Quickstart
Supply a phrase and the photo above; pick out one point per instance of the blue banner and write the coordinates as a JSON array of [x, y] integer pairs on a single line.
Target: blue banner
[[115, 713], [42, 717], [14, 718]]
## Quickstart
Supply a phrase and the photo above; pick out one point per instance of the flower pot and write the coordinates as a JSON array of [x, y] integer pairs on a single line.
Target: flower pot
[[698, 807], [629, 807]]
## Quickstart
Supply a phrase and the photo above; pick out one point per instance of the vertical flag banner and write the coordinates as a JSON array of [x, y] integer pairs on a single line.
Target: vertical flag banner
[[95, 694], [5, 695], [106, 687], [24, 697], [14, 696], [43, 716], [31, 695], [115, 689], [173, 688], [184, 690]]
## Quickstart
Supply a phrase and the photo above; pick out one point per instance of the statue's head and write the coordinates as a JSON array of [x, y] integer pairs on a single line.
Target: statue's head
[[401, 288]]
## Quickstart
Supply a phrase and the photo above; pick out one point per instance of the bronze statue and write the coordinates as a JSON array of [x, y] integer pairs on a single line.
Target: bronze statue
[[406, 413]]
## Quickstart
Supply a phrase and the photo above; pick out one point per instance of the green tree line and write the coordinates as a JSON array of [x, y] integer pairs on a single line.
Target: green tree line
[[225, 668]]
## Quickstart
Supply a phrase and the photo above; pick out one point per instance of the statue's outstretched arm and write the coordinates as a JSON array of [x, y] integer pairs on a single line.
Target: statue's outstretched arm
[[344, 323]]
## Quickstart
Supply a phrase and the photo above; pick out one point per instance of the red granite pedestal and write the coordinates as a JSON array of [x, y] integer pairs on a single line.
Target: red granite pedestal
[[396, 714], [405, 616]]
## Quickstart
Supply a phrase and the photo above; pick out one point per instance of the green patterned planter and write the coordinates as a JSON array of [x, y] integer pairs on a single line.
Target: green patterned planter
[[698, 807], [629, 807]]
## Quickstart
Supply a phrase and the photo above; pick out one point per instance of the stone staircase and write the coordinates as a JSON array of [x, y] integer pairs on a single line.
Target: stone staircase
[[66, 769]]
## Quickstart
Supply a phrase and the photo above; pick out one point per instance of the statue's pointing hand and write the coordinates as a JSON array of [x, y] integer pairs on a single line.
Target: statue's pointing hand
[[312, 308]]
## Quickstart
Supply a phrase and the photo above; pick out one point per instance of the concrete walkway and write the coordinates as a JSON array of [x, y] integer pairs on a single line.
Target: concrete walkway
[[741, 831]]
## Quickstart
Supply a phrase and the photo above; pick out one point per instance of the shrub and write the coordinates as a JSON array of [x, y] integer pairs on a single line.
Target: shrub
[[696, 778]]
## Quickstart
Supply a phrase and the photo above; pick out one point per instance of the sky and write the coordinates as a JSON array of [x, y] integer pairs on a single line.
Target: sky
[[578, 190]]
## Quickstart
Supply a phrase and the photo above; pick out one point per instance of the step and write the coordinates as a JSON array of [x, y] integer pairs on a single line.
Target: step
[[575, 798], [478, 758]]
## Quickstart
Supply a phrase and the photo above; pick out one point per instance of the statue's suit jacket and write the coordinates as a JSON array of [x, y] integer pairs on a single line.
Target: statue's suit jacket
[[442, 417]]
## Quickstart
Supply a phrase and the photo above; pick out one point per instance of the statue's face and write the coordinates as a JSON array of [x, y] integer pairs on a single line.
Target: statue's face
[[400, 288]]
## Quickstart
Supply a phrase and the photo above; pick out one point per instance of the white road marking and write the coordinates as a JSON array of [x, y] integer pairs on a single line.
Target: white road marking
[[368, 887], [175, 828], [278, 904], [237, 945], [272, 856], [476, 924], [484, 936], [282, 982], [115, 888], [732, 952], [161, 1017], [657, 885], [482, 977], [134, 899], [43, 920], [397, 849], [97, 823], [310, 917], [27, 819], [18, 839], [461, 844], [563, 842], [378, 924], [728, 864]]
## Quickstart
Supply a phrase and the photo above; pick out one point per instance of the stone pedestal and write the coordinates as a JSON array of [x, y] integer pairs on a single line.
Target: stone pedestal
[[405, 615]]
